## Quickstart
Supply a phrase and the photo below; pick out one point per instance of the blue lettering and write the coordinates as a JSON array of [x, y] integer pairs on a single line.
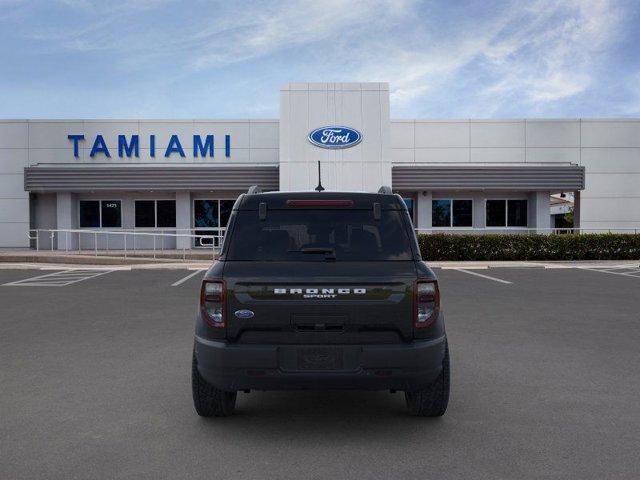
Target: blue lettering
[[152, 146], [75, 139], [203, 149], [131, 148], [128, 146], [174, 147], [99, 146]]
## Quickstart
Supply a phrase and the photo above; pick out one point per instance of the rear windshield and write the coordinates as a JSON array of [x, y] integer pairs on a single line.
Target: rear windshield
[[319, 235]]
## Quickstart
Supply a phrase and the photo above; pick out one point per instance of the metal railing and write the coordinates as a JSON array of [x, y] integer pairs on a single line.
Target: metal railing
[[140, 242], [128, 241]]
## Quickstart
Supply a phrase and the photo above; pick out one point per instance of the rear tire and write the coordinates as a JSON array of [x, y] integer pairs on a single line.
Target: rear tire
[[208, 400], [433, 400]]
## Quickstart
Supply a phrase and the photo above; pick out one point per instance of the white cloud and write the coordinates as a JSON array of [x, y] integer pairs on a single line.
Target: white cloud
[[552, 56], [543, 53], [631, 105], [534, 53], [279, 26], [112, 5], [218, 34]]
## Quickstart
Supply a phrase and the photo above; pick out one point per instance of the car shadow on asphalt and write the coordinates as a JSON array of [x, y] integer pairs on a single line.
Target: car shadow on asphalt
[[308, 420], [321, 403], [374, 411]]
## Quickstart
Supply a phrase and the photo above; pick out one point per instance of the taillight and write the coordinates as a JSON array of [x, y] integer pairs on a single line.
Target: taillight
[[427, 303], [212, 303]]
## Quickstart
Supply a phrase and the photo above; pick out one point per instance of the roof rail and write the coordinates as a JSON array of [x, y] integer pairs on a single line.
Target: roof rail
[[385, 190], [254, 189]]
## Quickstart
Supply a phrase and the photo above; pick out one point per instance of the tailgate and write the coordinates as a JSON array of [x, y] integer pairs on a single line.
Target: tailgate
[[319, 302]]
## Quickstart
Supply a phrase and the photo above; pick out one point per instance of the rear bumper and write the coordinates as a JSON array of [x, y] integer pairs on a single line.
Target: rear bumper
[[292, 367]]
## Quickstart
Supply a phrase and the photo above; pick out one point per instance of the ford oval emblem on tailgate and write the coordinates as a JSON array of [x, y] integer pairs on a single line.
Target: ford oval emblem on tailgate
[[244, 313]]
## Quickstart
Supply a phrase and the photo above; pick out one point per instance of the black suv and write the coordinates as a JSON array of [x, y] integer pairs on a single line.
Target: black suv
[[319, 290]]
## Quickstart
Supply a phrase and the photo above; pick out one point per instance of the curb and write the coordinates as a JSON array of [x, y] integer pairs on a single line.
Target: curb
[[82, 260]]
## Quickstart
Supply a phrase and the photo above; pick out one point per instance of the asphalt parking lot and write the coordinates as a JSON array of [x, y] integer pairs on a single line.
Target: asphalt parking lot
[[95, 383]]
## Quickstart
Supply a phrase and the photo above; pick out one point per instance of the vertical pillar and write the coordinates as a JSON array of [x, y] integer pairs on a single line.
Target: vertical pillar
[[362, 106], [183, 219], [423, 205], [539, 211], [66, 218], [479, 210], [532, 216], [576, 209]]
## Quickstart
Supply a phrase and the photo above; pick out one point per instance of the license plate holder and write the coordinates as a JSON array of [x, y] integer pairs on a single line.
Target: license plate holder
[[320, 358]]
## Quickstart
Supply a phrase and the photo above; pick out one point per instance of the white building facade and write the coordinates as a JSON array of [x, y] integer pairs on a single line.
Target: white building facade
[[183, 175]]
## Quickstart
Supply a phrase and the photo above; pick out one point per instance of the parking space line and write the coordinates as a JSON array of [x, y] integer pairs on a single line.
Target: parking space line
[[87, 268], [621, 270], [88, 276], [58, 279], [483, 276], [470, 267], [613, 267], [182, 280], [32, 279], [634, 274]]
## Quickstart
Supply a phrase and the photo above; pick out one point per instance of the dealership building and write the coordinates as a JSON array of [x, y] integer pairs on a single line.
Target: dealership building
[[183, 175]]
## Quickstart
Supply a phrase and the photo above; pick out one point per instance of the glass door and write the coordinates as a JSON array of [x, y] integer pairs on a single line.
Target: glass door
[[210, 217], [206, 218]]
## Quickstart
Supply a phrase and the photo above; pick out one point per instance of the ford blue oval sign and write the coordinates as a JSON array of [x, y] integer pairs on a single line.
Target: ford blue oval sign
[[335, 136], [244, 313]]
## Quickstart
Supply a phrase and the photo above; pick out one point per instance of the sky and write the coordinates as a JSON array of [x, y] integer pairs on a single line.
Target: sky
[[228, 59]]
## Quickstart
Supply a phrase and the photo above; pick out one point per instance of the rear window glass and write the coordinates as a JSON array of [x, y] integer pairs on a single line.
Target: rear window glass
[[315, 235]]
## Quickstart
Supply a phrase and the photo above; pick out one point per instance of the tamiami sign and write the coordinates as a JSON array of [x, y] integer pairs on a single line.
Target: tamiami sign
[[203, 146], [332, 137]]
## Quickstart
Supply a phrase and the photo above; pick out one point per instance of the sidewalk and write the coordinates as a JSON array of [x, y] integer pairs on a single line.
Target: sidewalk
[[88, 257]]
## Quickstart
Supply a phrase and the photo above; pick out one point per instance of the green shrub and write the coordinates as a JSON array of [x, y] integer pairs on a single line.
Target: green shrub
[[590, 246]]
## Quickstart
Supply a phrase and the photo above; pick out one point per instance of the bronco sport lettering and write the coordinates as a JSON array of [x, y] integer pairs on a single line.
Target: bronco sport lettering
[[319, 292]]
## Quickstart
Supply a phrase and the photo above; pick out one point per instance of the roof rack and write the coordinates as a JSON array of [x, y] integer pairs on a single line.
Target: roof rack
[[385, 190], [254, 189]]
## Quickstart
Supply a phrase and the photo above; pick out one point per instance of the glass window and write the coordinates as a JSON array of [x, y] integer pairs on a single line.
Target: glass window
[[496, 213], [307, 235], [89, 214], [166, 211], [111, 213], [441, 213], [517, 213], [145, 213], [205, 213], [452, 213], [409, 203], [225, 211], [462, 213], [507, 213]]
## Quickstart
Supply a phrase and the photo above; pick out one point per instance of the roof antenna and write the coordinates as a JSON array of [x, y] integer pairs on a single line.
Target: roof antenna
[[319, 188]]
